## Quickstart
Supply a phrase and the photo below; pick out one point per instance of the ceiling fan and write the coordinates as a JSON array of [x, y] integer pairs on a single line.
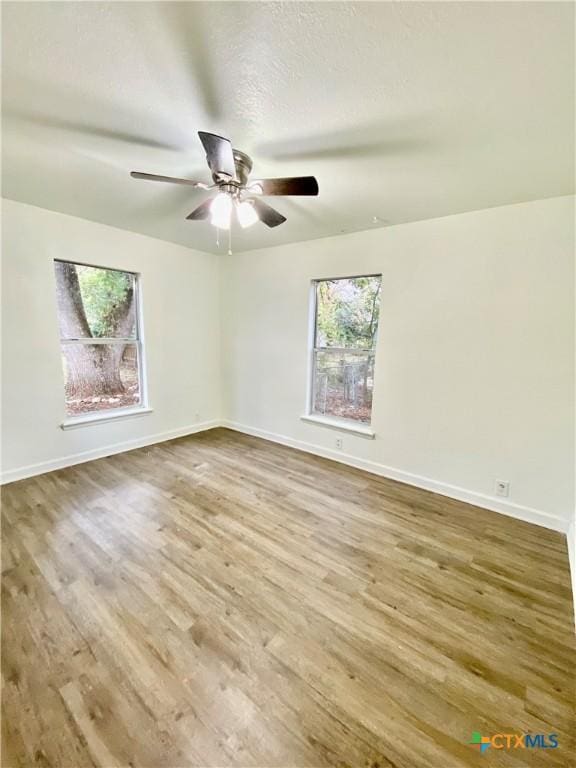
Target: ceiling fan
[[236, 194]]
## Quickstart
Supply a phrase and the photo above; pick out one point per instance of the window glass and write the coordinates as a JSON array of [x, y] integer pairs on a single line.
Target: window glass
[[99, 337], [345, 329]]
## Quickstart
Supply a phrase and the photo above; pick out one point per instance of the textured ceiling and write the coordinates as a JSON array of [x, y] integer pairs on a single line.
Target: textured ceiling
[[403, 111]]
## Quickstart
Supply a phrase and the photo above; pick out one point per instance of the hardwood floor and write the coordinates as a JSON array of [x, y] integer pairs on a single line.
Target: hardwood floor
[[223, 601]]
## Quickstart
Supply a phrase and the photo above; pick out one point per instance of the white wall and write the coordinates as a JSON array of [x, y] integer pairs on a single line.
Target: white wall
[[475, 359], [181, 329]]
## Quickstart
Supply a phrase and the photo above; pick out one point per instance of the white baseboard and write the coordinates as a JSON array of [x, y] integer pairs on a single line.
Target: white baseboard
[[527, 514], [571, 541], [21, 473]]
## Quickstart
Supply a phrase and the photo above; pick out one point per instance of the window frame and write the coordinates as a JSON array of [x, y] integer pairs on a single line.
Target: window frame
[[112, 414], [363, 429]]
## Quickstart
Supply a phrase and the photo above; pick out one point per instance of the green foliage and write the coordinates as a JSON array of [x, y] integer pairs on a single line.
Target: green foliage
[[104, 291], [347, 312]]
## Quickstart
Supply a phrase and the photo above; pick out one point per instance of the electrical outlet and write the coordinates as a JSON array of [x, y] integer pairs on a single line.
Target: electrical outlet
[[339, 443], [502, 487]]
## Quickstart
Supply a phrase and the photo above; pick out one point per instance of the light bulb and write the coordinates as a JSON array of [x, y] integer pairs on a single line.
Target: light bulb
[[221, 211], [246, 214]]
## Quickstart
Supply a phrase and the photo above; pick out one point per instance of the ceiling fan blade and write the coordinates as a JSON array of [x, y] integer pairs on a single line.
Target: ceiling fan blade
[[298, 185], [168, 179], [267, 214], [219, 154], [201, 212]]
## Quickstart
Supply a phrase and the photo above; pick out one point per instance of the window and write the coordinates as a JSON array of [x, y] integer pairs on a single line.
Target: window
[[99, 338], [346, 315]]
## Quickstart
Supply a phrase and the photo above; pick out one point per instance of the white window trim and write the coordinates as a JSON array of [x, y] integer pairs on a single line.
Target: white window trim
[[346, 425], [90, 342], [101, 417]]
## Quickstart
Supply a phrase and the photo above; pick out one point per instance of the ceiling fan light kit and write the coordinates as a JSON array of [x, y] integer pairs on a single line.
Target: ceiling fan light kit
[[246, 214], [223, 207], [221, 211], [230, 170]]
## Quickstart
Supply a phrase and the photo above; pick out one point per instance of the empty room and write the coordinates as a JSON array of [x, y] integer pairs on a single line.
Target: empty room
[[288, 394]]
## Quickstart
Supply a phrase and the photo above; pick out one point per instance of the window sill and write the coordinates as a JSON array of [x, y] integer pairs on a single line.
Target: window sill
[[103, 417], [362, 430]]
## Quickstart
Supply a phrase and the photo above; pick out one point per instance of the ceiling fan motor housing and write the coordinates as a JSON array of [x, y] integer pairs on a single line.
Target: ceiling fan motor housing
[[243, 165]]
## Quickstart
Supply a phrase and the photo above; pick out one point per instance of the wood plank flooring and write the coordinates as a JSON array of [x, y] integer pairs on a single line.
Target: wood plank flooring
[[220, 600]]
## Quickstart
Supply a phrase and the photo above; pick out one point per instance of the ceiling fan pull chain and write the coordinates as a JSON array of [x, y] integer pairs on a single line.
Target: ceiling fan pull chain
[[217, 238], [230, 242]]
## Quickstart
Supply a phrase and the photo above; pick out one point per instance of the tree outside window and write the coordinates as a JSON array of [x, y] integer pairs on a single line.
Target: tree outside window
[[100, 337], [346, 325]]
